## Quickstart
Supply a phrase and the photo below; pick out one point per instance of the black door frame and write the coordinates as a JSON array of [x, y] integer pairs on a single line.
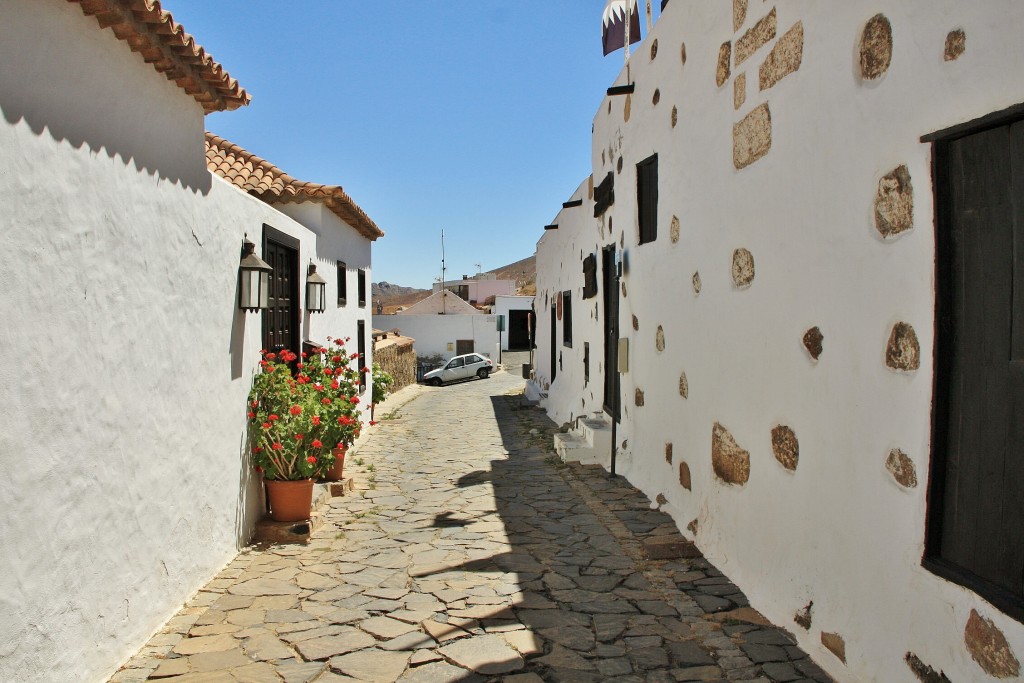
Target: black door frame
[[944, 352], [610, 291], [291, 244], [554, 343]]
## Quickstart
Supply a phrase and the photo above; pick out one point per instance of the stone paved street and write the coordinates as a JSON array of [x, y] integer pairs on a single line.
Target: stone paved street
[[469, 553]]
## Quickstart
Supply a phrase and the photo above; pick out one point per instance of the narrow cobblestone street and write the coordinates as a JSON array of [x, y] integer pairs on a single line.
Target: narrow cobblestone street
[[468, 552]]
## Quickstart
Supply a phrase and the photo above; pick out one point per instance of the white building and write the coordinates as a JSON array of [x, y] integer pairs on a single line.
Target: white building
[[127, 481], [444, 325], [479, 288], [776, 184], [517, 327]]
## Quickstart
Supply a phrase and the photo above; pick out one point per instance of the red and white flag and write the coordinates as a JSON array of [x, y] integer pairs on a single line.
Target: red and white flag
[[613, 24]]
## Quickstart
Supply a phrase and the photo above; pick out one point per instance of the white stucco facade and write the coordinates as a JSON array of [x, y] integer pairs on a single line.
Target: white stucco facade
[[839, 530], [439, 334], [127, 483], [504, 305]]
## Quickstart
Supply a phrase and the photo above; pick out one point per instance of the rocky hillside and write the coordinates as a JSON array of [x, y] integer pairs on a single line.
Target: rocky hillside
[[392, 296]]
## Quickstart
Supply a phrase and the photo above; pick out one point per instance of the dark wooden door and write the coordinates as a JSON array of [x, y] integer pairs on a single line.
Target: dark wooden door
[[281, 317], [518, 330], [463, 346], [610, 293], [976, 521], [554, 344]]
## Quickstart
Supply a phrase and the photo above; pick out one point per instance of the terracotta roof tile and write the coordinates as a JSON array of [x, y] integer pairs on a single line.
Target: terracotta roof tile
[[162, 42], [262, 179]]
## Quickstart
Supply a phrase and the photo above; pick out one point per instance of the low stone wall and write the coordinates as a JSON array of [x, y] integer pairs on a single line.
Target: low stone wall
[[398, 359]]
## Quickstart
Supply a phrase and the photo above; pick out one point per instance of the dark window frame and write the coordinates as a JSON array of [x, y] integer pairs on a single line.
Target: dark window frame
[[362, 287], [361, 348], [342, 284], [647, 199], [932, 560], [567, 318]]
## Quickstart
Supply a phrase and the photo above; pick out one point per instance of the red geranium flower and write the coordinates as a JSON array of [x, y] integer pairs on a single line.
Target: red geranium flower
[[325, 401], [354, 356], [335, 359], [271, 356], [317, 443], [274, 418], [354, 400], [316, 420], [254, 404], [372, 423], [300, 365], [259, 469], [338, 342], [365, 369], [300, 437], [334, 384], [295, 410], [311, 460], [257, 449], [266, 425], [305, 355], [250, 415], [277, 447]]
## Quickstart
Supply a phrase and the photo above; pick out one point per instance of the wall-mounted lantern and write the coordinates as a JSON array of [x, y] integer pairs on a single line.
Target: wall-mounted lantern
[[253, 279], [316, 291]]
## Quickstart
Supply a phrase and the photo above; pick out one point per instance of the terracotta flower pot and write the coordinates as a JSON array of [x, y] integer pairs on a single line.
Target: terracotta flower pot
[[337, 472], [290, 501]]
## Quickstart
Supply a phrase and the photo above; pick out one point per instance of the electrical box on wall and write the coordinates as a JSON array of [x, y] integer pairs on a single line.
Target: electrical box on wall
[[451, 346], [624, 355]]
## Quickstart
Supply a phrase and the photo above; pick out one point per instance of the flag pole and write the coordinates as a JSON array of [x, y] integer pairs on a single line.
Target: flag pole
[[629, 17]]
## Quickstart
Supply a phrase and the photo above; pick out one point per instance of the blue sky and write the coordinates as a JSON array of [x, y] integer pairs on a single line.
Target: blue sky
[[473, 117]]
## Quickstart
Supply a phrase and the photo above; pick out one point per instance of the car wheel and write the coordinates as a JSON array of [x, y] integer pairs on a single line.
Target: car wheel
[[434, 382], [482, 373]]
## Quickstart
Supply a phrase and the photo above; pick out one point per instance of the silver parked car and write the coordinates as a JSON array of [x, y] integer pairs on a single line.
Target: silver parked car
[[460, 367]]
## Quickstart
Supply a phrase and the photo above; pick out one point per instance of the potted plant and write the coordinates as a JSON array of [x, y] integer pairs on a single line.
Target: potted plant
[[293, 421], [341, 415], [382, 383]]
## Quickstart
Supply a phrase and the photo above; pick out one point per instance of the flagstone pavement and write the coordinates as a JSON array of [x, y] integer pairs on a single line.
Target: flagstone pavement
[[468, 552]]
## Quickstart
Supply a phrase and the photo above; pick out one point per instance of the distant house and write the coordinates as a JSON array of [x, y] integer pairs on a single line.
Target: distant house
[[793, 284], [127, 476], [479, 289], [445, 325]]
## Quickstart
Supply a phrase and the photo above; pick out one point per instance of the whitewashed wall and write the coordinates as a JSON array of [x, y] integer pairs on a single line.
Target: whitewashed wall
[[839, 530], [433, 333], [126, 484]]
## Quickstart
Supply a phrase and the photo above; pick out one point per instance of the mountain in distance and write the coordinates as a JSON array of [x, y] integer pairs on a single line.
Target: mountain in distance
[[393, 296]]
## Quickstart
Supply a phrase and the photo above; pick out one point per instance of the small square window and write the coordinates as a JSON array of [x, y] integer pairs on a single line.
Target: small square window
[[362, 288]]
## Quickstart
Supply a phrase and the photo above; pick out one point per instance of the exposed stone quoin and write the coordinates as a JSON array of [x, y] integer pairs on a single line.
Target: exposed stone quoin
[[901, 468], [894, 203], [654, 49], [656, 97], [639, 398], [730, 462], [835, 644], [724, 69], [876, 47], [785, 57], [742, 267], [903, 351], [626, 110], [659, 339], [924, 673], [675, 115], [696, 282], [668, 453], [739, 91], [785, 447], [684, 385], [752, 137], [739, 14], [989, 648], [956, 43], [803, 617], [682, 53], [812, 342], [636, 324], [684, 476], [754, 39], [673, 230]]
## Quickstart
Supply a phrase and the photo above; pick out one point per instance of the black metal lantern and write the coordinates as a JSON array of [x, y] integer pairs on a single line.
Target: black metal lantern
[[316, 291], [253, 279]]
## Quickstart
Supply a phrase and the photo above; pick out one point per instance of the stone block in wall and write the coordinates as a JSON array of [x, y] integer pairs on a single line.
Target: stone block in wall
[[956, 43], [755, 38], [752, 137], [812, 342], [742, 267], [739, 14], [989, 647], [730, 462], [785, 447], [876, 47], [785, 57], [835, 644], [903, 352], [902, 468], [724, 69], [894, 203], [739, 91]]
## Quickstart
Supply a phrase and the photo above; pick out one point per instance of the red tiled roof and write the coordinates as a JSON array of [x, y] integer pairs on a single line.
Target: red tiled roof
[[262, 179], [162, 42]]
